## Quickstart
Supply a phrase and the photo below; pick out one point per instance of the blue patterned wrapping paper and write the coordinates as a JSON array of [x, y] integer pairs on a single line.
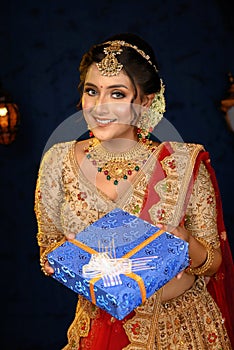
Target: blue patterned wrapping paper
[[127, 231]]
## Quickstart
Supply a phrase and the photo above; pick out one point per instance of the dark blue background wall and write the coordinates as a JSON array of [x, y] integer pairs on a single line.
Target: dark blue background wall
[[41, 44]]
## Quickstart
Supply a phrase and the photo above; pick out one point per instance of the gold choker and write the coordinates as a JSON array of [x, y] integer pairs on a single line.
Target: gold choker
[[118, 166]]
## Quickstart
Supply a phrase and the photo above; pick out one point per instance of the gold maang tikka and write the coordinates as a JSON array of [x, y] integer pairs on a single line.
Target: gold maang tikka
[[109, 65]]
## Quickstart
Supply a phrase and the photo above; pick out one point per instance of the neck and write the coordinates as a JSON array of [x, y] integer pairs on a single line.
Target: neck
[[119, 145], [117, 159]]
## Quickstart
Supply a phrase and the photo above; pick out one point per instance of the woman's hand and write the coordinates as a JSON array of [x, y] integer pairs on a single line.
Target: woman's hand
[[48, 269], [197, 251], [178, 231], [70, 236]]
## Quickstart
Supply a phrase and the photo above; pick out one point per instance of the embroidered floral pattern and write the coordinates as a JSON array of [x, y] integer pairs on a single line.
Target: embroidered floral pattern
[[66, 202], [136, 209], [160, 214], [212, 337], [82, 196], [178, 331], [172, 164], [209, 199], [136, 328], [201, 211]]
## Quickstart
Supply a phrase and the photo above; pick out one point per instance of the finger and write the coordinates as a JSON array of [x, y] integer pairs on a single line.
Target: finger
[[48, 268], [179, 275], [171, 228], [168, 228], [161, 226], [70, 236], [176, 232]]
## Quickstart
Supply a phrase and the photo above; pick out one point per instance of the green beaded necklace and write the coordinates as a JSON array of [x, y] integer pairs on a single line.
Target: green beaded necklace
[[118, 166]]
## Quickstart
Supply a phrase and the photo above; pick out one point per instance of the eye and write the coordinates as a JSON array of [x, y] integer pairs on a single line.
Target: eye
[[118, 94], [90, 91]]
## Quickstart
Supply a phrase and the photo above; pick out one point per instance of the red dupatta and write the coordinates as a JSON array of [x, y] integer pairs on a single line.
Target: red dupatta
[[108, 333], [221, 285]]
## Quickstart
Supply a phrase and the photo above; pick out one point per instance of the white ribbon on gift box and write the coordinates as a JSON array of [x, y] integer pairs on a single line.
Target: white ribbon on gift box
[[102, 265]]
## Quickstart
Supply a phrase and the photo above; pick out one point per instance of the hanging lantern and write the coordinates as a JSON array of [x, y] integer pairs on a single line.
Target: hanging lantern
[[227, 104], [9, 119]]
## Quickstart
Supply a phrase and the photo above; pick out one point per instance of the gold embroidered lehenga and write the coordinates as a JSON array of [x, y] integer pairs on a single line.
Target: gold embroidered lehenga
[[175, 186]]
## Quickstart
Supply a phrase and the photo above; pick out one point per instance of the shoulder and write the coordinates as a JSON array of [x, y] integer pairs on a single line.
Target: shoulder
[[184, 148], [183, 155], [195, 155], [58, 149], [185, 145], [55, 155]]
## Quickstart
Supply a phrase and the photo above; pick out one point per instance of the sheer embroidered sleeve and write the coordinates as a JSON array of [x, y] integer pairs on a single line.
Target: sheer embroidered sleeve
[[201, 213], [48, 201]]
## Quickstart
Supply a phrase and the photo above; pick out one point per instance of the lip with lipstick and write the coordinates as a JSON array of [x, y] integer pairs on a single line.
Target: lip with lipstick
[[109, 114], [104, 122]]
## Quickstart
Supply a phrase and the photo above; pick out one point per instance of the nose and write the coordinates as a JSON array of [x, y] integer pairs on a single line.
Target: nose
[[101, 106]]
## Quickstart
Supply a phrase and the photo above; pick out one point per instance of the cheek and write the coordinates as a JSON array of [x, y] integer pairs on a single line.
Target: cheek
[[122, 111], [86, 103], [86, 107]]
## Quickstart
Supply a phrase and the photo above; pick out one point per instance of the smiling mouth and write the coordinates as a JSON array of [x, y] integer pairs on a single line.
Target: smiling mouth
[[105, 121]]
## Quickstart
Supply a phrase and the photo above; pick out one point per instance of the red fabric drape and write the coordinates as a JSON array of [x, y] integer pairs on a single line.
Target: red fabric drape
[[108, 335], [221, 286]]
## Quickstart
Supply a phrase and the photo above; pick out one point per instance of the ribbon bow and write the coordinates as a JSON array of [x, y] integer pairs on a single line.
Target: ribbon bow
[[102, 265]]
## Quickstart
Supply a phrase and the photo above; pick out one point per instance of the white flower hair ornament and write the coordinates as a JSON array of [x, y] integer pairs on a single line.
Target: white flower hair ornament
[[150, 118]]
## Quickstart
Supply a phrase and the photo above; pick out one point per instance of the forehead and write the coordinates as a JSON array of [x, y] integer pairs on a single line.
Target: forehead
[[94, 76]]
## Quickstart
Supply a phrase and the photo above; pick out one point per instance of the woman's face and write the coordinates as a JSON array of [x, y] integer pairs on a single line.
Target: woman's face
[[107, 107]]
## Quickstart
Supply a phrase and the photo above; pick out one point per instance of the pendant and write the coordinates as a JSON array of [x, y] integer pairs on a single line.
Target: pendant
[[117, 166]]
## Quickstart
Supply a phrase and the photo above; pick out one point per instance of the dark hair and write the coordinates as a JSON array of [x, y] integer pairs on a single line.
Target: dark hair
[[138, 69]]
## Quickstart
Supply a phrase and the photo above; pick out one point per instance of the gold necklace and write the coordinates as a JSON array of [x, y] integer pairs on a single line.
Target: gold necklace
[[118, 166]]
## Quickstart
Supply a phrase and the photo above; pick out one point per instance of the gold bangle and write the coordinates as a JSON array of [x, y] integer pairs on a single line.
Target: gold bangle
[[43, 260], [46, 251], [200, 270]]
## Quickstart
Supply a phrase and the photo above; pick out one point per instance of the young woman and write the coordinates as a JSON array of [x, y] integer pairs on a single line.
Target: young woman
[[169, 184]]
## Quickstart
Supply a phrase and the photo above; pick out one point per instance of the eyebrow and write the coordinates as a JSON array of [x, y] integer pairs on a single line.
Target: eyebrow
[[115, 86]]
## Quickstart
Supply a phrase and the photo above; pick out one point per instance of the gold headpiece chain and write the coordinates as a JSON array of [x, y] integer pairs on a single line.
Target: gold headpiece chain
[[109, 65]]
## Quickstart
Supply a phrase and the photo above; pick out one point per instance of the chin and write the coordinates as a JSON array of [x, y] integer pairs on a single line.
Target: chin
[[107, 134], [101, 135]]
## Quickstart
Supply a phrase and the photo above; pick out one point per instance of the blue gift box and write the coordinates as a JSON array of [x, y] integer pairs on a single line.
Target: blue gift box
[[119, 261]]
